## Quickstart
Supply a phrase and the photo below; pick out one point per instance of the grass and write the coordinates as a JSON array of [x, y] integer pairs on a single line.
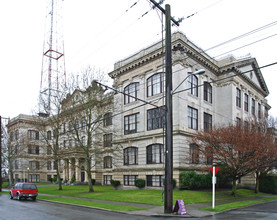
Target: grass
[[100, 205], [153, 197], [233, 205]]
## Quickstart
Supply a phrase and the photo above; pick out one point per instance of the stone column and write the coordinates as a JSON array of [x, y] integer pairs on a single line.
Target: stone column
[[77, 170]]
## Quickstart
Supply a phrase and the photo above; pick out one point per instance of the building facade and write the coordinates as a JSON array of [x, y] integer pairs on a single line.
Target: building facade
[[230, 91]]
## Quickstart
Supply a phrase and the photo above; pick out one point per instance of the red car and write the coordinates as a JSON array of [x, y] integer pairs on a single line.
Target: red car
[[24, 190]]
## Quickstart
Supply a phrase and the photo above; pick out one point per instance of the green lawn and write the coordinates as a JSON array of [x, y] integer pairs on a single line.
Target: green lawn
[[233, 205], [100, 205], [153, 197]]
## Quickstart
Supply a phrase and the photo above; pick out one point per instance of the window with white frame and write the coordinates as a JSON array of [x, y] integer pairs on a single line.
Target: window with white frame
[[131, 93], [155, 84]]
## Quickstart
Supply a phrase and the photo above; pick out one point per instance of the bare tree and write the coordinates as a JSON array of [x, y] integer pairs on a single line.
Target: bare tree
[[88, 110]]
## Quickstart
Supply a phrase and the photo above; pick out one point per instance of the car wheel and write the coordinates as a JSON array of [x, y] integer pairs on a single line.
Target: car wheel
[[11, 197], [34, 198], [18, 196]]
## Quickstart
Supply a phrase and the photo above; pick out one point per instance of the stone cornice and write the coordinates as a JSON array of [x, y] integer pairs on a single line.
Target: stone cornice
[[154, 52]]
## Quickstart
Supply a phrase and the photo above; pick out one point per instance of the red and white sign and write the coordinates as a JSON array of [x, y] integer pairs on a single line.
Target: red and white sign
[[215, 170]]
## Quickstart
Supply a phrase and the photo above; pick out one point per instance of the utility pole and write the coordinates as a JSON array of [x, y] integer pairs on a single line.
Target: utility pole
[[168, 194]]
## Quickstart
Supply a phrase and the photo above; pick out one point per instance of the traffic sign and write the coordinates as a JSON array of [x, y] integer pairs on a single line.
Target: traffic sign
[[215, 170]]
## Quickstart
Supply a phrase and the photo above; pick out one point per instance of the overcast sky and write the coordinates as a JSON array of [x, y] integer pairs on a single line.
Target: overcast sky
[[99, 33]]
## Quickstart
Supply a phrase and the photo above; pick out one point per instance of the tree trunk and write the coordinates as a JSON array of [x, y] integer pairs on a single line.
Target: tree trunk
[[89, 175], [58, 176], [257, 182], [234, 188]]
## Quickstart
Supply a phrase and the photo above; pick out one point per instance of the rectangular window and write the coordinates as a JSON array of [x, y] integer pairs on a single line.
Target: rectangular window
[[207, 121], [208, 92], [49, 165], [107, 139], [33, 150], [238, 121], [154, 180], [107, 179], [259, 110], [155, 118], [34, 178], [108, 163], [131, 123], [194, 153], [238, 98], [33, 135], [16, 164], [253, 109], [246, 102], [129, 180], [192, 118], [108, 119], [49, 150], [34, 165], [49, 135]]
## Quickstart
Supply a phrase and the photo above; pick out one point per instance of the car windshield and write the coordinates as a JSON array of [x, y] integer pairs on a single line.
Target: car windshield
[[29, 186]]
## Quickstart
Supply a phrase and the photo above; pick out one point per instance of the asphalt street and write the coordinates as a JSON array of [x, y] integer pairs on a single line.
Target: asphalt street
[[36, 210]]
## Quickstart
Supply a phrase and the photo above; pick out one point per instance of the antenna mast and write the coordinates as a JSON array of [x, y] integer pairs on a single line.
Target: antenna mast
[[53, 75]]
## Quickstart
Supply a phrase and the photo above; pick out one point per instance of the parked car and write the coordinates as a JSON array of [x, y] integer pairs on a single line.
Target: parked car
[[24, 190]]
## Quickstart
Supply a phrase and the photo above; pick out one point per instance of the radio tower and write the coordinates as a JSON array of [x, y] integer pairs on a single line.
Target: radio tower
[[53, 75]]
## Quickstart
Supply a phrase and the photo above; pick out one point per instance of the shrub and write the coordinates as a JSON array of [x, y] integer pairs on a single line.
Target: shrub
[[268, 184], [93, 181], [115, 183], [140, 183], [173, 183], [192, 180], [72, 180], [54, 179]]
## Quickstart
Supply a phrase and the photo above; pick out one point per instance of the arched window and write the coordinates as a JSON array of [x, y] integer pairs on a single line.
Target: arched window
[[155, 84], [154, 154], [131, 156], [193, 85], [131, 92], [108, 162]]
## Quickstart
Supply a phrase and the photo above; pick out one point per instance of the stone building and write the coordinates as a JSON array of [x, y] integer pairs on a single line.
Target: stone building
[[230, 90]]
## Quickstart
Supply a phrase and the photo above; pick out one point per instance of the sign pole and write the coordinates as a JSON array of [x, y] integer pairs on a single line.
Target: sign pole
[[213, 186]]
